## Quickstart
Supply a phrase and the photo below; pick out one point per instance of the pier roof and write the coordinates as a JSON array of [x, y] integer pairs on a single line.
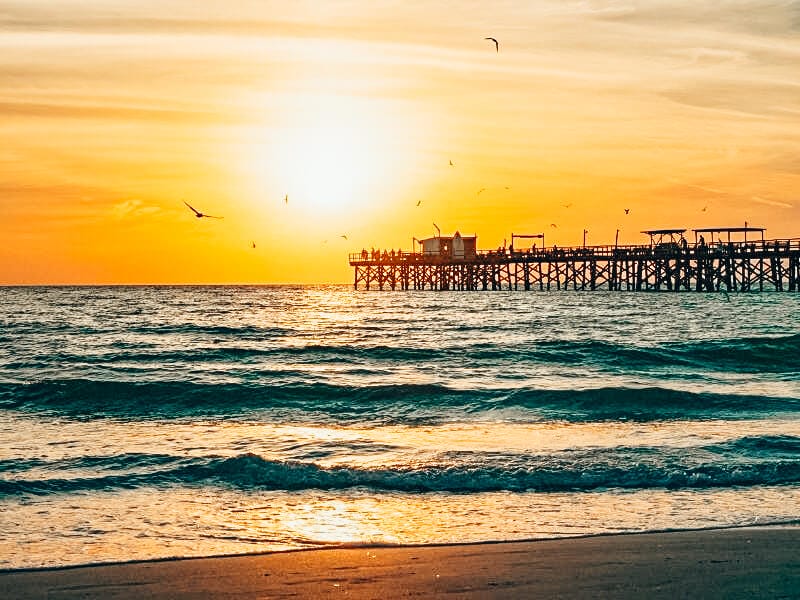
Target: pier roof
[[728, 229], [663, 231]]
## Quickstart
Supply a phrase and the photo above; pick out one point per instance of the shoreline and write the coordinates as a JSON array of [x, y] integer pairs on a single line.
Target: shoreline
[[371, 546], [737, 561]]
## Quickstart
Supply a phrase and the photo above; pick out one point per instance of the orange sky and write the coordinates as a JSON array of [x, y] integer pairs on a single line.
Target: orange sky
[[112, 113]]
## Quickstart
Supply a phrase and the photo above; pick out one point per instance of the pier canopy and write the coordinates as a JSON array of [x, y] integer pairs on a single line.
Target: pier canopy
[[664, 236], [720, 231], [455, 246], [526, 236]]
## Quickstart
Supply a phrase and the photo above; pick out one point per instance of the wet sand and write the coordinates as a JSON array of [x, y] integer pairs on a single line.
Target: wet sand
[[727, 563]]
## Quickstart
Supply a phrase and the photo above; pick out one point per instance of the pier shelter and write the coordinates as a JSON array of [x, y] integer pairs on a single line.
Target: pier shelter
[[456, 246]]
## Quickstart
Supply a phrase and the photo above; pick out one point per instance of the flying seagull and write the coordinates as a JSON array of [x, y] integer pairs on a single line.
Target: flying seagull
[[419, 202], [496, 43], [480, 190], [286, 199], [451, 164], [254, 244], [627, 210], [567, 205], [553, 225], [198, 214], [344, 236], [703, 209]]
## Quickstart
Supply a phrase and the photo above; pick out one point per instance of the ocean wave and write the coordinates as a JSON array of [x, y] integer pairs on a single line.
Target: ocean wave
[[741, 355], [454, 472], [248, 332], [391, 403], [769, 446], [737, 355], [241, 332]]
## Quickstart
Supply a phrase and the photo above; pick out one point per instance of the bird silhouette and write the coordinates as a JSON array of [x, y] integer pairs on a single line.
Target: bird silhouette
[[419, 202], [553, 225], [567, 205], [480, 190], [198, 214], [496, 43], [253, 244], [286, 199], [627, 210], [451, 164], [344, 236], [703, 209]]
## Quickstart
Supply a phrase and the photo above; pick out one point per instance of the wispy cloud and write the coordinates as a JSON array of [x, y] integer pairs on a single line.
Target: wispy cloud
[[133, 208], [769, 202], [109, 111]]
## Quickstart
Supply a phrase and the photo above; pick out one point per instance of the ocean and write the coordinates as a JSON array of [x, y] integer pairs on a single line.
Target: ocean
[[148, 422]]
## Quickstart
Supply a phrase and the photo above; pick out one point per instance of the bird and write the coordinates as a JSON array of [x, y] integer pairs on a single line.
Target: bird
[[703, 209], [419, 202], [496, 43], [627, 210], [567, 205], [451, 164], [253, 244], [553, 225], [286, 199], [480, 190], [198, 214], [343, 236]]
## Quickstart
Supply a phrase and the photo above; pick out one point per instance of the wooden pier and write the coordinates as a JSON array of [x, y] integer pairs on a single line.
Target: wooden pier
[[667, 263]]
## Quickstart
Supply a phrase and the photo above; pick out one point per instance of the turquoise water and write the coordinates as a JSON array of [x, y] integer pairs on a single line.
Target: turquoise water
[[173, 421]]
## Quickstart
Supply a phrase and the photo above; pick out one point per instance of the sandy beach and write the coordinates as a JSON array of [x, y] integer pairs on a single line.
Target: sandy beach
[[727, 563]]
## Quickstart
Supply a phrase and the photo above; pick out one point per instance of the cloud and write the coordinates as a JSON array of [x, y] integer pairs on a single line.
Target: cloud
[[777, 203], [132, 208], [109, 111], [759, 17], [752, 98]]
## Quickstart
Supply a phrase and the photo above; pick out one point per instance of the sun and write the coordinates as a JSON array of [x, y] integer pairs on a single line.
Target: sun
[[330, 153], [330, 162]]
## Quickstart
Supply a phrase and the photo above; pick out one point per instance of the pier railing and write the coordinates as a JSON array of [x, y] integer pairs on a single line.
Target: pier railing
[[671, 250]]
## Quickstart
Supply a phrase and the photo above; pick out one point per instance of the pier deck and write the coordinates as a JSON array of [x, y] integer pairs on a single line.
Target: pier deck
[[719, 266]]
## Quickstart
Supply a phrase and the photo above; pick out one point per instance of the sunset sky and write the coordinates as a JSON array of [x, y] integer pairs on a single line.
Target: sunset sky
[[113, 112]]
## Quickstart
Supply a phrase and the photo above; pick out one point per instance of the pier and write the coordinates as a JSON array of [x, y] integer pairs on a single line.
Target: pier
[[728, 261]]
